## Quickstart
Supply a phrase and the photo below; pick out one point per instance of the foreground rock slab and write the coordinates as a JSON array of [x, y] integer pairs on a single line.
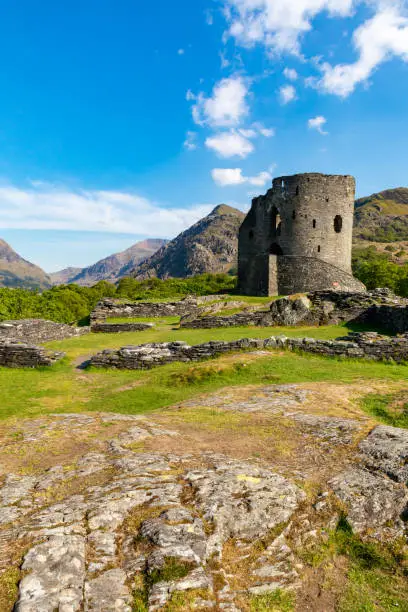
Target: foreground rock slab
[[146, 524]]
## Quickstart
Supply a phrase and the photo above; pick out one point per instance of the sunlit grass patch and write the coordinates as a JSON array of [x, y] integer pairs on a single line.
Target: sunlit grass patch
[[62, 388], [375, 573], [161, 321], [9, 580], [391, 409], [276, 601]]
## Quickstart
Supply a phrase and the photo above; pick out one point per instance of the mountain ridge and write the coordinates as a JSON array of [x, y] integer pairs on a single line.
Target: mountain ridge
[[210, 245], [15, 271], [382, 216], [113, 267]]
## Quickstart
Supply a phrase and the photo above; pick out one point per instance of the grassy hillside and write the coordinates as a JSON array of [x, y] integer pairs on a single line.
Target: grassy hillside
[[382, 217]]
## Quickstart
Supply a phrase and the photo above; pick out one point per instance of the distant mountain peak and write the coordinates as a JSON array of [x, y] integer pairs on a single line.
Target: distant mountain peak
[[225, 209], [210, 245], [18, 272], [110, 268]]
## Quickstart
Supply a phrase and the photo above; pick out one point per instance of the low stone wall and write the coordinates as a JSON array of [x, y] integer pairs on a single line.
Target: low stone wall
[[107, 308], [116, 328], [21, 355], [359, 345], [146, 356], [38, 330], [241, 319], [393, 319], [379, 308], [367, 345]]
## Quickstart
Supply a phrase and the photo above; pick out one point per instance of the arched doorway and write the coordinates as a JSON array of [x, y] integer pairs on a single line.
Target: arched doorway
[[275, 249]]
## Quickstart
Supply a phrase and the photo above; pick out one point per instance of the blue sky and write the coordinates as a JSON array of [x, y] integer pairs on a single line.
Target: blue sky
[[125, 120]]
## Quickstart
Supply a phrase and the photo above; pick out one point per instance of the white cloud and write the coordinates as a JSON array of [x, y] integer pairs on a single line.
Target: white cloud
[[225, 63], [317, 123], [209, 17], [227, 105], [230, 144], [263, 131], [376, 41], [278, 24], [50, 207], [225, 177], [180, 52], [248, 133], [287, 93], [291, 74], [190, 142]]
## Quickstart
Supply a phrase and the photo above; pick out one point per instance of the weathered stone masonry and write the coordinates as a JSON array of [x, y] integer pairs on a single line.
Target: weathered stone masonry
[[298, 237], [15, 354], [38, 330], [115, 328], [109, 308], [379, 309], [368, 345]]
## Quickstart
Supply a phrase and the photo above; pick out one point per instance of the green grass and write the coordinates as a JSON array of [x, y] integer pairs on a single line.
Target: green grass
[[156, 320], [166, 331], [62, 388], [277, 601], [391, 409], [377, 574], [173, 569]]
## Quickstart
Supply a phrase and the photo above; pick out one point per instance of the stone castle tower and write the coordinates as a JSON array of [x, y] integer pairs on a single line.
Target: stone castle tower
[[298, 237]]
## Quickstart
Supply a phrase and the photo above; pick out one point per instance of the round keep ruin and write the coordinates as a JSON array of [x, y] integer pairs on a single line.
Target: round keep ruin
[[298, 237]]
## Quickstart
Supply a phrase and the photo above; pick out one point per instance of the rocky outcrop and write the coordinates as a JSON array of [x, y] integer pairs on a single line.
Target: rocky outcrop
[[81, 555], [375, 492], [163, 526], [20, 355], [368, 345], [38, 330], [386, 450]]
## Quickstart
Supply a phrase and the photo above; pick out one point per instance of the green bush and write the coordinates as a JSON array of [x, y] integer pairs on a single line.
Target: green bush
[[377, 270], [73, 304]]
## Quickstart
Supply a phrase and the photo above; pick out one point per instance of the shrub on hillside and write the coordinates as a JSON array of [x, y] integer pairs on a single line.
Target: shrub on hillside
[[73, 304], [376, 269]]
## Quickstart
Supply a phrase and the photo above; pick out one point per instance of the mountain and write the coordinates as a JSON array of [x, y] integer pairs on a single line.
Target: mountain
[[63, 277], [210, 245], [382, 217], [110, 268], [18, 272]]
